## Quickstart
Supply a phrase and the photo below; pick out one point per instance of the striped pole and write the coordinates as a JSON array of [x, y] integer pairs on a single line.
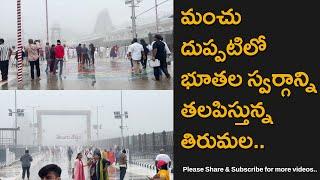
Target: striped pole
[[19, 44]]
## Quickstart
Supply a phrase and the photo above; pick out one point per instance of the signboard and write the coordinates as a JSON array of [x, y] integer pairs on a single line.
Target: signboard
[[96, 126], [68, 137], [128, 2]]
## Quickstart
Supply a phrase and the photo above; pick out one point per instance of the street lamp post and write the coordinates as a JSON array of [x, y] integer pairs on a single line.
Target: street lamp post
[[17, 112], [15, 117], [133, 18], [157, 19], [98, 126], [156, 9], [120, 115], [47, 23], [33, 123], [133, 6], [122, 136]]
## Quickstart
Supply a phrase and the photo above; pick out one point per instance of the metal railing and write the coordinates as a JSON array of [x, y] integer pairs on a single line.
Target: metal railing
[[141, 146]]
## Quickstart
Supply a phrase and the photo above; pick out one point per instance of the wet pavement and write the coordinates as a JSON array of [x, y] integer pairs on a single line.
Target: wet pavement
[[106, 74], [14, 172]]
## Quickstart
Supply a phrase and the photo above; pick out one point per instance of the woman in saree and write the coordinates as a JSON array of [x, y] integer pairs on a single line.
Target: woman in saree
[[99, 167], [78, 170]]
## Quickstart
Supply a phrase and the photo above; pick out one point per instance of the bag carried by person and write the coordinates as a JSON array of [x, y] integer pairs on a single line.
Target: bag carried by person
[[155, 63]]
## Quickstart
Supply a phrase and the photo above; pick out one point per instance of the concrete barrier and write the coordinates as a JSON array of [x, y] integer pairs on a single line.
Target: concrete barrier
[[7, 157], [10, 157], [150, 166], [145, 165], [19, 151]]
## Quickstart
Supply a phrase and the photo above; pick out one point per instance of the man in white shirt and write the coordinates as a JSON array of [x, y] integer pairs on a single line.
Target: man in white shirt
[[89, 154], [136, 53], [101, 52], [163, 157], [5, 53]]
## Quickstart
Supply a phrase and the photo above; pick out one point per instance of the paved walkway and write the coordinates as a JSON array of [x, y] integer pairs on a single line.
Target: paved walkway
[[14, 172], [105, 75]]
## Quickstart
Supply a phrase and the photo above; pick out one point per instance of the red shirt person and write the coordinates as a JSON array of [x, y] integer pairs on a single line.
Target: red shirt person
[[59, 54]]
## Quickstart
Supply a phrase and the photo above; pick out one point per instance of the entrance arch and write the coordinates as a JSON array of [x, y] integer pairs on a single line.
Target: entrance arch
[[41, 113]]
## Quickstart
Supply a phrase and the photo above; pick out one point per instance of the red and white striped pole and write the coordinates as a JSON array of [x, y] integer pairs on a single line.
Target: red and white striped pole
[[19, 44]]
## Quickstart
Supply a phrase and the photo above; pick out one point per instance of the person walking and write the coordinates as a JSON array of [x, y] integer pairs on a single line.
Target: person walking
[[47, 56], [26, 160], [101, 52], [41, 53], [52, 59], [159, 52], [33, 58], [108, 53], [166, 46], [66, 53], [13, 56], [85, 54], [136, 53], [130, 58], [23, 56], [111, 156], [99, 167], [113, 52], [5, 53], [78, 50], [59, 55], [70, 152], [92, 52], [78, 169], [146, 52], [123, 164]]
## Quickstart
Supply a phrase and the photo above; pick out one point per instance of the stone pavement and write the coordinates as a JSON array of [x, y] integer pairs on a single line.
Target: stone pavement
[[106, 74], [14, 172]]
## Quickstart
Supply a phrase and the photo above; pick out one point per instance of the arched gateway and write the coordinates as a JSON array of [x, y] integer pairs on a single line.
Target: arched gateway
[[41, 113]]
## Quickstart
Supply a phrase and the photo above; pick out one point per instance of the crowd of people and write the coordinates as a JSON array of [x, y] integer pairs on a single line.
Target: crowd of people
[[139, 53], [158, 50], [97, 163], [33, 53], [86, 55]]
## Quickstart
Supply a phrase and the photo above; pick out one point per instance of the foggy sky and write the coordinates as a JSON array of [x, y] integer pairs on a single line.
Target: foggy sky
[[149, 111], [74, 16]]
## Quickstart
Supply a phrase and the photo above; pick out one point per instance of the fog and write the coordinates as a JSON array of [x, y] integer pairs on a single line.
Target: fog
[[76, 17], [149, 111]]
